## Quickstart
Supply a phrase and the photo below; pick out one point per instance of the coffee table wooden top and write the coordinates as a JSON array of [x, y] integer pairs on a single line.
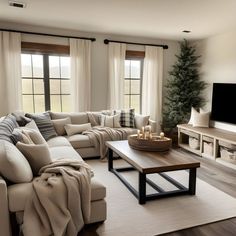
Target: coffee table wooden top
[[152, 162]]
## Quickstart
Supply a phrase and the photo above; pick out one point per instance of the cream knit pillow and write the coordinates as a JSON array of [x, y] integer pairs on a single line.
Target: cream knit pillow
[[77, 129], [201, 119]]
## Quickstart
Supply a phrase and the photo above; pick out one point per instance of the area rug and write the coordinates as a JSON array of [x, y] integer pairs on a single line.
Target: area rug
[[126, 217]]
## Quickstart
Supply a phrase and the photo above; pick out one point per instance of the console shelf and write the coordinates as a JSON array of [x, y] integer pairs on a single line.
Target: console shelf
[[208, 139]]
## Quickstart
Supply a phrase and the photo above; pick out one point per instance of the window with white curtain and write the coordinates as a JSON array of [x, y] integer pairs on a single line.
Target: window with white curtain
[[133, 80], [45, 82]]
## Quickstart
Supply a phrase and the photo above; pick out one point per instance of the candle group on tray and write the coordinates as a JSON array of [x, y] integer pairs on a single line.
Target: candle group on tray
[[146, 133]]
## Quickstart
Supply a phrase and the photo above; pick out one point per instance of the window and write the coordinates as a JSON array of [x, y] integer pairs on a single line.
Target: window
[[45, 82], [133, 80]]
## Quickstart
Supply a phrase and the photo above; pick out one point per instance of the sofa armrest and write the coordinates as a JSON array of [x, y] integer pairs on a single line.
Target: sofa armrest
[[4, 212], [153, 125]]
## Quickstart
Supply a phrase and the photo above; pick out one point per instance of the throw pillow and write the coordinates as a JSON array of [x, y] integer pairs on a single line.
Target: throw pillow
[[77, 129], [141, 121], [110, 121], [7, 126], [193, 110], [18, 136], [21, 119], [59, 125], [201, 119], [13, 165], [45, 125], [126, 117], [34, 136], [37, 155]]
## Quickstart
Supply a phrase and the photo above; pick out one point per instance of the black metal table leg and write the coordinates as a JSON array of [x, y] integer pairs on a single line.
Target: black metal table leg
[[142, 188], [192, 181], [110, 159]]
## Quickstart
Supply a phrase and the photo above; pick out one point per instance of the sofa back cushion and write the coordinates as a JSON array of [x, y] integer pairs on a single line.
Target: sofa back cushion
[[44, 123], [13, 165], [7, 125], [76, 117], [59, 125]]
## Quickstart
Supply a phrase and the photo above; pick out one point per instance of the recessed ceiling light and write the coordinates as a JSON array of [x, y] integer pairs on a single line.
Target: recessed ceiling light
[[186, 31], [17, 4]]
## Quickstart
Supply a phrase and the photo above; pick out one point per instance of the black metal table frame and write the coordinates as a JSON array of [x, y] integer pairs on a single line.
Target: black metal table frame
[[141, 193]]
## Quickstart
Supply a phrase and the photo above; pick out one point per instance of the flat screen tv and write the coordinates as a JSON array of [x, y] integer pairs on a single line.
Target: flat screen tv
[[223, 103]]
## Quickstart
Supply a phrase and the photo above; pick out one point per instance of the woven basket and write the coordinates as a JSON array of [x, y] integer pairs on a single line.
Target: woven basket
[[154, 145]]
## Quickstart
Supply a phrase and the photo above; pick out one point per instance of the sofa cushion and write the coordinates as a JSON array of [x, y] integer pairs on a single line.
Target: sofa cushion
[[13, 165], [76, 118], [58, 141], [38, 155], [59, 125], [44, 124], [64, 153], [72, 129], [79, 141], [7, 125], [18, 194], [98, 190]]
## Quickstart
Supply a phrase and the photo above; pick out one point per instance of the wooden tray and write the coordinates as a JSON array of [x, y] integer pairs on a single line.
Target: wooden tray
[[155, 145]]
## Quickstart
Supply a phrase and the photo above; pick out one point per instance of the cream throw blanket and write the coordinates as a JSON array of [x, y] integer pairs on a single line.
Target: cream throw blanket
[[60, 201], [99, 135]]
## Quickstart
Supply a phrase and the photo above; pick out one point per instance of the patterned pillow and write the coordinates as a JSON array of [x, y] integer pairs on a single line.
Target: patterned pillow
[[126, 117], [7, 125], [44, 123], [110, 121]]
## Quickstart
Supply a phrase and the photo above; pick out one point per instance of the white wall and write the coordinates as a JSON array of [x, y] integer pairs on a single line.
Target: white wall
[[218, 59], [99, 54]]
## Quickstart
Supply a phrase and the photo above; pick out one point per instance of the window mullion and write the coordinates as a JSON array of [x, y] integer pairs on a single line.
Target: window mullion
[[46, 82]]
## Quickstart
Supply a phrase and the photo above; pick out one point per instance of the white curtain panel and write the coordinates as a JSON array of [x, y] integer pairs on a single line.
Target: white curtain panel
[[116, 60], [10, 72], [152, 84], [80, 54]]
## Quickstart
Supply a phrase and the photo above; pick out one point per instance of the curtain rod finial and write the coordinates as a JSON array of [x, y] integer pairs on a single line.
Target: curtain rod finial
[[165, 46], [106, 41]]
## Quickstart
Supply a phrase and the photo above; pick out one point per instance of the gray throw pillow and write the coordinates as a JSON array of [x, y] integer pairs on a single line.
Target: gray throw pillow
[[7, 125], [44, 123]]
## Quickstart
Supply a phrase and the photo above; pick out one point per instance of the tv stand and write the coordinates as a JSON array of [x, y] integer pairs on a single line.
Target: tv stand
[[210, 140]]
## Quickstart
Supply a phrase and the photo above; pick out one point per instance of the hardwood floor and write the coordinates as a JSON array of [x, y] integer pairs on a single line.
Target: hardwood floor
[[217, 175]]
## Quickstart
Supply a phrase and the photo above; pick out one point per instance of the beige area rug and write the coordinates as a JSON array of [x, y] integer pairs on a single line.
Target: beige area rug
[[126, 217]]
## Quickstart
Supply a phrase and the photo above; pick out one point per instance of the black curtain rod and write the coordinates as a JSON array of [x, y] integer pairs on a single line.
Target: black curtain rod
[[106, 41], [53, 35]]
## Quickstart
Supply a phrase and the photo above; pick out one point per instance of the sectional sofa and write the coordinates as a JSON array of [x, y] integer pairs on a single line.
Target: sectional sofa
[[13, 194]]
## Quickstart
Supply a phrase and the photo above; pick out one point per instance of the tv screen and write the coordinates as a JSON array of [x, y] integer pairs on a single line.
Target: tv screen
[[223, 103]]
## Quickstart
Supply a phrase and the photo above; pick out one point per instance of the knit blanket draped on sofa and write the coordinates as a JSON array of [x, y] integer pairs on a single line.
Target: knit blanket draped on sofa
[[60, 200], [99, 135]]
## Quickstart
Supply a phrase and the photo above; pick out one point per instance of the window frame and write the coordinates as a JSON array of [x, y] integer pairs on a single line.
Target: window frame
[[138, 56], [45, 50]]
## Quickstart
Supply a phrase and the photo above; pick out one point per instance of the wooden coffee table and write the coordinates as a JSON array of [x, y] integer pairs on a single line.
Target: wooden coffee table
[[152, 162]]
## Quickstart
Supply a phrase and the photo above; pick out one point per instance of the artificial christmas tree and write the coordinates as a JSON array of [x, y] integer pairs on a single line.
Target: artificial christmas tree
[[184, 88]]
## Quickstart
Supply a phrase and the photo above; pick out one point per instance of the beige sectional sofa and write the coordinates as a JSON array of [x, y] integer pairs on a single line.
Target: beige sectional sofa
[[13, 196], [80, 142]]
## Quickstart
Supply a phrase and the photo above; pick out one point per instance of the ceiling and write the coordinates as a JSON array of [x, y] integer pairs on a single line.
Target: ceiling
[[164, 19]]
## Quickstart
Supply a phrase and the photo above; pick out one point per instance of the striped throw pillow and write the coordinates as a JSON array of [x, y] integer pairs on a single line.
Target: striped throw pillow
[[126, 117], [7, 125], [44, 123]]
